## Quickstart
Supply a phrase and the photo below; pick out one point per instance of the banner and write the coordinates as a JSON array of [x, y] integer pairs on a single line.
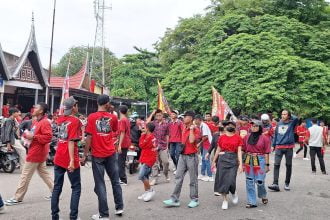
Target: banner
[[65, 88], [220, 107], [162, 101]]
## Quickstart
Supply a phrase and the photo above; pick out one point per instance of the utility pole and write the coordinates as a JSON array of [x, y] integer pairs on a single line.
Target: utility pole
[[51, 55]]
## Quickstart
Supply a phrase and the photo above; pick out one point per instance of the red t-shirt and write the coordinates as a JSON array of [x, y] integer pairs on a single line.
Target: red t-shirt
[[302, 133], [69, 130], [262, 146], [39, 146], [175, 131], [102, 126], [5, 111], [230, 143], [190, 148], [212, 127], [244, 130], [125, 126], [147, 143]]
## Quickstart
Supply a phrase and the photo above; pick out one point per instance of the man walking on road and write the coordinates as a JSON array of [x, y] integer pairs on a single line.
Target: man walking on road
[[317, 145], [283, 144], [124, 143], [101, 129], [188, 162], [40, 137]]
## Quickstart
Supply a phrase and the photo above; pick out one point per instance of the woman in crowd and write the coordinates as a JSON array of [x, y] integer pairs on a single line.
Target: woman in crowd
[[229, 152], [256, 163]]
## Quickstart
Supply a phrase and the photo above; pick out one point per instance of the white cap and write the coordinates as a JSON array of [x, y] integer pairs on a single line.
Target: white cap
[[265, 117]]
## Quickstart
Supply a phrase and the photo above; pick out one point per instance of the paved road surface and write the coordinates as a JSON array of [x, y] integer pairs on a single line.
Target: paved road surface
[[308, 199]]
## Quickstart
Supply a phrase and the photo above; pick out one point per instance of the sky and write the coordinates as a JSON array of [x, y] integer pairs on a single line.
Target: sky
[[128, 23]]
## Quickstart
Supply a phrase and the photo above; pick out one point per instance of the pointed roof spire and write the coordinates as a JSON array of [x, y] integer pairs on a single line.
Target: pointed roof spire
[[31, 47]]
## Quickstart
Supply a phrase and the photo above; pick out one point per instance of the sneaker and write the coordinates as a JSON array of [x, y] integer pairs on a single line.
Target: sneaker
[[314, 172], [168, 179], [200, 177], [174, 169], [205, 179], [159, 175], [171, 203], [48, 198], [122, 183], [324, 173], [2, 209], [234, 199], [294, 155], [98, 217], [12, 201], [274, 187], [142, 196], [153, 182], [287, 187], [224, 205], [119, 212], [211, 179], [305, 158], [193, 204], [174, 173], [217, 194], [149, 195]]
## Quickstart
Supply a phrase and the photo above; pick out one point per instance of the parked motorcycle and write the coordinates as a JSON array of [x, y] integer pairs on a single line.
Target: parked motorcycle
[[8, 159]]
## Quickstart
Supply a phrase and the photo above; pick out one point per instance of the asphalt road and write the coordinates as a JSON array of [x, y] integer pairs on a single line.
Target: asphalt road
[[309, 198]]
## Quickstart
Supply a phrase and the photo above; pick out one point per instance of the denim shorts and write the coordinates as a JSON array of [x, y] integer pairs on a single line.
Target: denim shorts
[[145, 172]]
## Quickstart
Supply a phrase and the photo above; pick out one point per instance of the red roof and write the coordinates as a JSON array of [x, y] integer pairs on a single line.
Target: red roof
[[75, 81]]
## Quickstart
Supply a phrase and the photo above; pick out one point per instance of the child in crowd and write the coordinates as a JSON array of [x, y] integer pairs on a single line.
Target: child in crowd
[[147, 159]]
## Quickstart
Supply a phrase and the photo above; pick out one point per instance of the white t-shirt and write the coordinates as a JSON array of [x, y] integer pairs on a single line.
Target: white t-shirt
[[316, 136]]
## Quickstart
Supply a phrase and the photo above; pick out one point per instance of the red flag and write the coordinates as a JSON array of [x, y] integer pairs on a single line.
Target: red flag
[[220, 107], [92, 85], [162, 101], [65, 88]]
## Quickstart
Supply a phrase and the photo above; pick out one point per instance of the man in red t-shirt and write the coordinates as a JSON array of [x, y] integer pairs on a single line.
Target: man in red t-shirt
[[188, 162], [40, 137], [67, 158], [101, 131], [124, 143], [175, 128]]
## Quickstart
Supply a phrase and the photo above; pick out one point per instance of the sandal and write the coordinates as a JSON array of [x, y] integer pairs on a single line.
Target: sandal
[[249, 206], [264, 201]]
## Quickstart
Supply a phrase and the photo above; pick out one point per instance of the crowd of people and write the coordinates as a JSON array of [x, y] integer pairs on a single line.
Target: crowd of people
[[225, 148]]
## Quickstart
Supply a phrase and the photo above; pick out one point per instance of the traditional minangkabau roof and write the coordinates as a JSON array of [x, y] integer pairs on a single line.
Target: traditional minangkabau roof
[[31, 54], [79, 80], [4, 72]]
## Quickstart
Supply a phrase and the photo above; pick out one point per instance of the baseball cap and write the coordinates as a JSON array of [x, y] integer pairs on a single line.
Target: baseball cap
[[189, 113], [68, 105], [103, 99], [256, 122], [176, 112]]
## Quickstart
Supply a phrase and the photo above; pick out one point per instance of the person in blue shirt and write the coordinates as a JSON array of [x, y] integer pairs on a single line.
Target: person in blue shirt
[[283, 144]]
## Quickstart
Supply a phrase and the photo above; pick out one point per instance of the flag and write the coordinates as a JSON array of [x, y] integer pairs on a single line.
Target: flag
[[220, 107], [65, 88], [162, 102]]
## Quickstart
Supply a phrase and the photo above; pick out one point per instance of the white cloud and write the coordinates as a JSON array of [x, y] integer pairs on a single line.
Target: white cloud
[[130, 23]]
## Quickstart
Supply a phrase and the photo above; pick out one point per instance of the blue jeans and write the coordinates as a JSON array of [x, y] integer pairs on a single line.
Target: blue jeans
[[253, 178], [174, 152], [110, 165], [1, 202], [74, 178], [206, 164], [145, 172]]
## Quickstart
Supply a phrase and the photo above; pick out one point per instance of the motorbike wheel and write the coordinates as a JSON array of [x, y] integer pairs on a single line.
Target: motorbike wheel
[[131, 168], [9, 166]]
